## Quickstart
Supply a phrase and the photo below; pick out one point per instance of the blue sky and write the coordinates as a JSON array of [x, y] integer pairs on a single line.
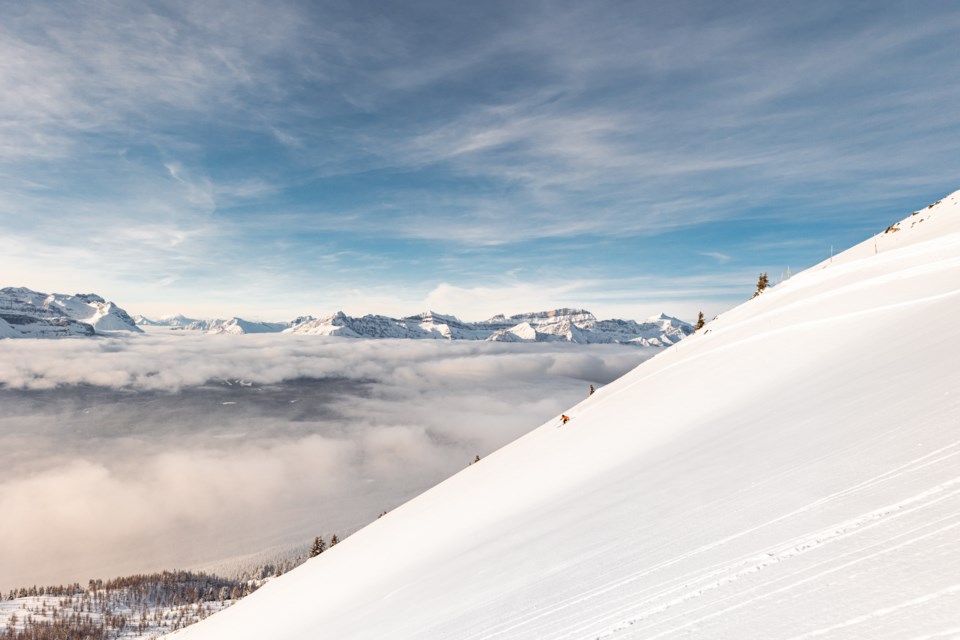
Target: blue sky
[[272, 159]]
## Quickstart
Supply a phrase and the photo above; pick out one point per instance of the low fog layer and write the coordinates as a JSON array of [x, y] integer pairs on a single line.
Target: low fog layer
[[137, 453]]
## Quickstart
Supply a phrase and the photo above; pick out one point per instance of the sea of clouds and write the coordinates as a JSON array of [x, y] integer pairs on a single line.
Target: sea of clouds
[[171, 450]]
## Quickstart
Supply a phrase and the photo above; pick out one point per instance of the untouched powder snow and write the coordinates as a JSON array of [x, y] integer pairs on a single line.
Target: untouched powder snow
[[791, 471]]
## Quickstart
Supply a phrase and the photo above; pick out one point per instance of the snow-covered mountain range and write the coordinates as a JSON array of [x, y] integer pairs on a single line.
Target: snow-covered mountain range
[[172, 322], [25, 313], [30, 314], [788, 472], [571, 325], [235, 326]]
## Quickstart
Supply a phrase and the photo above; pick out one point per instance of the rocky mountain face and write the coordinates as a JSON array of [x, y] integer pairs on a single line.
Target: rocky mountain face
[[25, 313]]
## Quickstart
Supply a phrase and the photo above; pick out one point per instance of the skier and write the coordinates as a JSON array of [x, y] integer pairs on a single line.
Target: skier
[[564, 419]]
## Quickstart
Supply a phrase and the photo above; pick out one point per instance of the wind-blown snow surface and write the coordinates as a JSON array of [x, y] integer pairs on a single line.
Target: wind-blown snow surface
[[793, 472]]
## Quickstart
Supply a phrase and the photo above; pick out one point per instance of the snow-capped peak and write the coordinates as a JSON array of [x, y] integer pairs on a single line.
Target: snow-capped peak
[[32, 314], [572, 325]]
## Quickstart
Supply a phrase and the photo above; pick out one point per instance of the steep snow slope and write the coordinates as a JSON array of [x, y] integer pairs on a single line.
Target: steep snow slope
[[791, 471]]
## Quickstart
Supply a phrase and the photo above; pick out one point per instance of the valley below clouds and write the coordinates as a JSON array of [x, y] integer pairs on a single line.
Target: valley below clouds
[[172, 450]]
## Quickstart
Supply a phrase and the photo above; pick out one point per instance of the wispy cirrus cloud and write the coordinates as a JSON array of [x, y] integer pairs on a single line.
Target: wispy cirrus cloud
[[716, 255], [300, 131]]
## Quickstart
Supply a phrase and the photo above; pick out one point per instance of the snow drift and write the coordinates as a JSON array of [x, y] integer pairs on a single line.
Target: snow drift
[[791, 471]]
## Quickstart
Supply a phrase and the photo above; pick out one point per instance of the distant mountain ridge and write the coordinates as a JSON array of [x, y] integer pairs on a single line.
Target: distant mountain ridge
[[232, 326], [25, 313], [558, 325]]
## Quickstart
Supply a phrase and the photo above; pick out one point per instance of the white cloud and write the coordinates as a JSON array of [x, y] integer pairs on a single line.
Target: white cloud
[[716, 255], [150, 460]]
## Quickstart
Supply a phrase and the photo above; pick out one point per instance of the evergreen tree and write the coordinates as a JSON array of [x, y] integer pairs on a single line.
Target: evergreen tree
[[700, 322], [762, 283], [334, 540], [319, 546]]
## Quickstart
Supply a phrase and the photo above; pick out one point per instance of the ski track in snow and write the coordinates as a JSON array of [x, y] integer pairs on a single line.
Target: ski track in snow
[[953, 634], [687, 587], [745, 569], [879, 613], [811, 543], [817, 576]]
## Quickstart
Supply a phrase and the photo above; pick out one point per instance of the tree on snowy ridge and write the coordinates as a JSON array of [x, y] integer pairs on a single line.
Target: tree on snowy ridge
[[762, 283]]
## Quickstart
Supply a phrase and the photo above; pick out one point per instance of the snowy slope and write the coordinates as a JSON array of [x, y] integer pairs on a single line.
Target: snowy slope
[[7, 330], [791, 471]]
